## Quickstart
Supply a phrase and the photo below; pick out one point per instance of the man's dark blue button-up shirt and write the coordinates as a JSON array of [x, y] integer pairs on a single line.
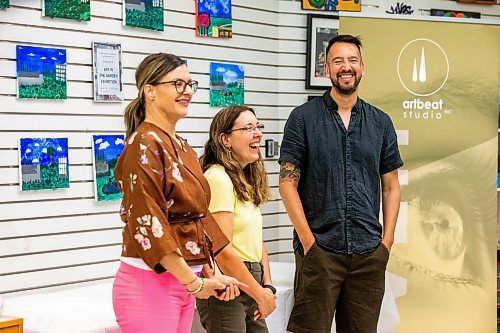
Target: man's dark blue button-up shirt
[[339, 186]]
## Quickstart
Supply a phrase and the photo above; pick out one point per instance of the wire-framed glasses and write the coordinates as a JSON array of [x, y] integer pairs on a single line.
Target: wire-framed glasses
[[249, 128], [180, 85]]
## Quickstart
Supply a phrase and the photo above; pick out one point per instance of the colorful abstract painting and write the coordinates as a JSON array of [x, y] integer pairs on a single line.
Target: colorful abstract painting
[[107, 65], [43, 163], [70, 9], [226, 84], [41, 72], [332, 5], [213, 18], [147, 14], [4, 4], [106, 149]]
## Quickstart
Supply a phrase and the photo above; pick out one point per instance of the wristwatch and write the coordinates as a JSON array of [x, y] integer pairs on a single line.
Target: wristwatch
[[269, 287]]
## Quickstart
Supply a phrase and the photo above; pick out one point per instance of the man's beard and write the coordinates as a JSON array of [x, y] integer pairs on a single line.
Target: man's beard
[[346, 91]]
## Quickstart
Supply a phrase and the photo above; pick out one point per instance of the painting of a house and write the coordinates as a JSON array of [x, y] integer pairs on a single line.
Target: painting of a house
[[226, 84], [147, 14], [41, 72], [332, 5], [214, 18], [106, 150], [69, 9], [43, 163]]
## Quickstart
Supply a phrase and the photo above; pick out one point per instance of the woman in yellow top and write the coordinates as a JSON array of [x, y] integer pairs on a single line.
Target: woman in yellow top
[[235, 172]]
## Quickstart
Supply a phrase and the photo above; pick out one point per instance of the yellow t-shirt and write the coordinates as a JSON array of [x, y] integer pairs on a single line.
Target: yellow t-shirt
[[247, 218]]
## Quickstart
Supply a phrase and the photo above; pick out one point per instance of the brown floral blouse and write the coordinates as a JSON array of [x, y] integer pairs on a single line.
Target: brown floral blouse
[[161, 180]]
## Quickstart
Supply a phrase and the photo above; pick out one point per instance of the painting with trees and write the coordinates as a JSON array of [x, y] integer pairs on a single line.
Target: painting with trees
[[70, 9], [106, 150], [226, 84], [214, 18], [41, 72], [147, 14], [43, 163]]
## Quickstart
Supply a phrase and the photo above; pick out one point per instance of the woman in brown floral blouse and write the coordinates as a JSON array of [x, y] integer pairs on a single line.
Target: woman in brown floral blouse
[[169, 235]]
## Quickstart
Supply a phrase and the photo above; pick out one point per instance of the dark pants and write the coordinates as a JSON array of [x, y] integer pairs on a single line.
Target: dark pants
[[350, 285], [234, 316]]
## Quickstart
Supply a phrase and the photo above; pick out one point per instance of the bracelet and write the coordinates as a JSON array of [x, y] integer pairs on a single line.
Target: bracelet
[[187, 284], [268, 286], [199, 289]]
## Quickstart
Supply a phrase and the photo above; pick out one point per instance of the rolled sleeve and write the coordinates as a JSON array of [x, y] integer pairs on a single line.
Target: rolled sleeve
[[390, 159], [293, 146]]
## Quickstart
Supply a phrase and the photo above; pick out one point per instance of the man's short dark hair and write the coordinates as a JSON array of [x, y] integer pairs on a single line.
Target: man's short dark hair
[[344, 39]]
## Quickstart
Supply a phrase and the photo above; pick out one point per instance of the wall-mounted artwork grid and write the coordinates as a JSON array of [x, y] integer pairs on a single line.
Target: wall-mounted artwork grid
[[70, 9], [43, 163], [105, 152], [226, 84], [41, 72], [107, 69], [147, 14], [214, 18]]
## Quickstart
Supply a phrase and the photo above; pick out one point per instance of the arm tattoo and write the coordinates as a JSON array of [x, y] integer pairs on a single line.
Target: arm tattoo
[[289, 173]]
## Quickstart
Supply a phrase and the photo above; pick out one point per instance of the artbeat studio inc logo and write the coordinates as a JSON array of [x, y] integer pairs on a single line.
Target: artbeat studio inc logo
[[423, 69]]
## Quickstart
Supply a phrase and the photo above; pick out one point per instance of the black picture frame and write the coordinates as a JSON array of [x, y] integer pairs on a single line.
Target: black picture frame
[[320, 29]]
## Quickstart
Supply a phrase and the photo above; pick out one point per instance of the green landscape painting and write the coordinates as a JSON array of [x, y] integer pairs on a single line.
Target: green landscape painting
[[70, 9], [43, 163], [226, 84], [106, 150], [147, 14], [41, 72]]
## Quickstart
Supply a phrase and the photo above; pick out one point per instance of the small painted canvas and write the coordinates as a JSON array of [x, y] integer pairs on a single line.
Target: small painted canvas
[[147, 14], [214, 18], [107, 72], [43, 163], [106, 149], [332, 5], [226, 84], [4, 4], [41, 72], [70, 9]]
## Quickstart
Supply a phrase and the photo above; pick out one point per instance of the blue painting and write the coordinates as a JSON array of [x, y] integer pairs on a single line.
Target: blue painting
[[43, 163], [41, 72], [226, 84], [106, 150], [214, 18]]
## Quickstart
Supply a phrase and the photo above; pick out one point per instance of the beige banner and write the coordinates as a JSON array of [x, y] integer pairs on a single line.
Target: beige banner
[[439, 83]]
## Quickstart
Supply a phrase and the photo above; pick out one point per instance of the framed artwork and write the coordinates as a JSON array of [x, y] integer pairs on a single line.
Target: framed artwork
[[105, 152], [43, 163], [332, 5], [107, 69], [454, 13], [4, 4], [147, 14], [214, 18], [320, 29], [70, 9], [226, 84], [41, 72]]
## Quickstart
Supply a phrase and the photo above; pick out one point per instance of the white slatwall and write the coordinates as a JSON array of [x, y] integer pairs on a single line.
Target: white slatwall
[[50, 239]]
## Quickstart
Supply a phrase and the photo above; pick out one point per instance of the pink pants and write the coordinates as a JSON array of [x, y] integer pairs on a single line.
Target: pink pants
[[146, 302]]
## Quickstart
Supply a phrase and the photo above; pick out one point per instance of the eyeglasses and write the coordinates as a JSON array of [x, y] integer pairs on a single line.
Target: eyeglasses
[[249, 128], [180, 85]]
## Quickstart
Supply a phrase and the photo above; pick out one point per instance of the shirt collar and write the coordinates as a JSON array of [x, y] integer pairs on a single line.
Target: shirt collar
[[332, 105]]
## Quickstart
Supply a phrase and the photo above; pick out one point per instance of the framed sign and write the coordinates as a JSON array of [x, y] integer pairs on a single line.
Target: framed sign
[[320, 29]]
